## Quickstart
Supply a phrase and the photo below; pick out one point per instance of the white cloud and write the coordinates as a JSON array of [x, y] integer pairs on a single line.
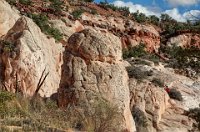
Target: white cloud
[[174, 13], [192, 15], [182, 2], [135, 7]]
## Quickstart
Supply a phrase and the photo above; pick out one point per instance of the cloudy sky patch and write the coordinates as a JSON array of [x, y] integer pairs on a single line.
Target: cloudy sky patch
[[183, 2], [173, 12]]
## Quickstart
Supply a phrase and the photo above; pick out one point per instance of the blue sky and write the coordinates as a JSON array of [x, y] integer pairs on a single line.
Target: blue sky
[[180, 10]]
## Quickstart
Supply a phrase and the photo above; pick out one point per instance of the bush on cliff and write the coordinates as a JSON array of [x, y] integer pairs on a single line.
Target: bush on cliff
[[195, 114], [77, 13], [137, 73], [57, 6], [106, 5], [183, 58], [158, 82], [42, 21], [137, 51], [141, 120], [140, 52], [175, 94]]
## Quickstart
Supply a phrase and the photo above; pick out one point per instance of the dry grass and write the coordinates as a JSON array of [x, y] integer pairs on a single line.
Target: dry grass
[[24, 114]]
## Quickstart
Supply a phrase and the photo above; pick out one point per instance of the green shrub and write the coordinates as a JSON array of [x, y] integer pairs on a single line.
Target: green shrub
[[141, 121], [152, 57], [154, 20], [77, 13], [175, 94], [25, 2], [114, 8], [43, 22], [137, 73], [12, 2], [94, 12], [57, 6], [5, 97], [137, 51], [195, 114], [158, 82], [140, 17], [100, 117], [183, 58], [7, 46]]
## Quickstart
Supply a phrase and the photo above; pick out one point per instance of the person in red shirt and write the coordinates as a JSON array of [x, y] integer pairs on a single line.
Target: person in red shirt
[[167, 89]]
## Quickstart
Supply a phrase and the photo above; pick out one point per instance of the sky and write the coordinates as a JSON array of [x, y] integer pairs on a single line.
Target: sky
[[181, 10]]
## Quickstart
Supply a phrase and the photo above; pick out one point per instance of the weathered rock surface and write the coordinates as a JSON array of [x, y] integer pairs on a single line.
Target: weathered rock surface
[[92, 66], [138, 33], [150, 99], [185, 40], [131, 33], [25, 54], [67, 27], [8, 17], [159, 111]]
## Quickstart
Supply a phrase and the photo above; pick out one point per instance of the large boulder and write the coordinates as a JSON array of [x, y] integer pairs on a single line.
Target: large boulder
[[92, 67], [26, 54]]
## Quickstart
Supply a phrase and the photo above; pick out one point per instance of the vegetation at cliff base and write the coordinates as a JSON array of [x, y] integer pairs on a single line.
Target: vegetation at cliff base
[[42, 114], [139, 51]]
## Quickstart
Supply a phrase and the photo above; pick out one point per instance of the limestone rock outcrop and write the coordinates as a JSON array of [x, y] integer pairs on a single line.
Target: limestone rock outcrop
[[8, 17], [151, 100], [185, 40], [131, 33], [25, 53], [92, 66], [138, 33], [67, 28], [152, 109]]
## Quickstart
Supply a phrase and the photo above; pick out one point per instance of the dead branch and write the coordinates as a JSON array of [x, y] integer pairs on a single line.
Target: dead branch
[[40, 83]]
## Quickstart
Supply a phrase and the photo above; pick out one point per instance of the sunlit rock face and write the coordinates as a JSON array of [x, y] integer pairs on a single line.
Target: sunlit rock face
[[8, 17], [92, 66], [28, 53]]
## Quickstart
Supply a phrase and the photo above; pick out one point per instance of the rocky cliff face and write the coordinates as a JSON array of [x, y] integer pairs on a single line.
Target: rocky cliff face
[[25, 54], [92, 67], [185, 40], [130, 33], [8, 17], [154, 109]]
